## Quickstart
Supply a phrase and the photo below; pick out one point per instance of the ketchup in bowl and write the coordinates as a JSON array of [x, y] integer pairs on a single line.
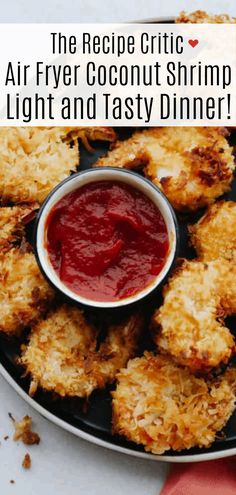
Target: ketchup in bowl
[[106, 240]]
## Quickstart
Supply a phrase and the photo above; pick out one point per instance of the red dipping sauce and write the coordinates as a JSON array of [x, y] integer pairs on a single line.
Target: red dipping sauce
[[106, 241]]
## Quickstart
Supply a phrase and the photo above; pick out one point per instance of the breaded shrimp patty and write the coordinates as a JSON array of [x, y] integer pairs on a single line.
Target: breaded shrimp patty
[[12, 224], [196, 300], [191, 165], [162, 406], [24, 293], [201, 17], [62, 354], [32, 161], [214, 235]]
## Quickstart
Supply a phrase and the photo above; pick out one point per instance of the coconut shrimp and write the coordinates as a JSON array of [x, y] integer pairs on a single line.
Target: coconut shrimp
[[201, 17], [214, 235], [12, 224], [191, 165], [190, 323], [25, 294], [33, 160], [163, 406], [62, 354]]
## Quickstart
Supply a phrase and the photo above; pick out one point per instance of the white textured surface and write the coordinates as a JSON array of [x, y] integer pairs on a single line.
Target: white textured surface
[[63, 464], [103, 10]]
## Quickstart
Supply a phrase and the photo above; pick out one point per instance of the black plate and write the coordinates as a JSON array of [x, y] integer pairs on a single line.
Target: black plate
[[96, 419]]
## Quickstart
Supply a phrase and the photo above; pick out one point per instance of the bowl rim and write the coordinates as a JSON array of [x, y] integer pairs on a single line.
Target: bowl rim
[[146, 291]]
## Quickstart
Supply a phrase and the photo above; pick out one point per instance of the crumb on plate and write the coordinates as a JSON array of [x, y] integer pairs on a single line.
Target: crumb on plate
[[26, 463], [24, 432]]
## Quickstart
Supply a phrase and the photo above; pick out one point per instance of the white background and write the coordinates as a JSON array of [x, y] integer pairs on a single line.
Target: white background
[[62, 464], [34, 43], [104, 10]]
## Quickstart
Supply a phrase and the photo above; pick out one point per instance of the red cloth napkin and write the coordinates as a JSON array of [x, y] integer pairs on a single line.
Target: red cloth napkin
[[202, 478]]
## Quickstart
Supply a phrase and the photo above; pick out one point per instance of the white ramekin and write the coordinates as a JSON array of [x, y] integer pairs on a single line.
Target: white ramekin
[[104, 174]]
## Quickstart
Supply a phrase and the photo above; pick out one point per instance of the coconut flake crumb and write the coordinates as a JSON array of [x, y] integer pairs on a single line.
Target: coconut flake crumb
[[24, 432], [26, 463]]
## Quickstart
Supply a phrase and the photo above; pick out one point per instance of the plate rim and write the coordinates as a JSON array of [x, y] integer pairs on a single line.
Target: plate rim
[[219, 454]]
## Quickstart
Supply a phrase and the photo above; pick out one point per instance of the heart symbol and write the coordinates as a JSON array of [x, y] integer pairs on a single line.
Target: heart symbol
[[193, 43]]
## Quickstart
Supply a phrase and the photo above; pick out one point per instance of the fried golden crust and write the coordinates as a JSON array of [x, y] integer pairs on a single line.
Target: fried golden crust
[[23, 431], [32, 161], [162, 406], [196, 300], [61, 355], [87, 134], [12, 224], [214, 235], [25, 295], [131, 153], [191, 165], [201, 17]]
